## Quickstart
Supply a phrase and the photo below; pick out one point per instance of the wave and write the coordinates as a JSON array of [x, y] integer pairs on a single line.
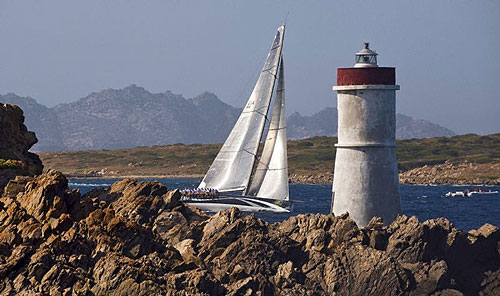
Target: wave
[[89, 184]]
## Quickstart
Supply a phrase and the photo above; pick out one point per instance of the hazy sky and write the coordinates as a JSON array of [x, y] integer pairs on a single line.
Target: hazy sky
[[447, 53]]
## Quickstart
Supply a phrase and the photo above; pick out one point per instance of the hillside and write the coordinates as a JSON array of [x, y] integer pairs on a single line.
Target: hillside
[[310, 160], [133, 116], [324, 123]]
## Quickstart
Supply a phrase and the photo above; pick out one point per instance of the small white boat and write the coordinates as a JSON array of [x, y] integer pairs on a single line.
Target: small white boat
[[470, 193], [481, 193], [454, 194]]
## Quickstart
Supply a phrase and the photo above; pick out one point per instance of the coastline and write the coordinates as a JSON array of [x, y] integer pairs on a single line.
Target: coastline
[[305, 180], [464, 160], [140, 236], [136, 176]]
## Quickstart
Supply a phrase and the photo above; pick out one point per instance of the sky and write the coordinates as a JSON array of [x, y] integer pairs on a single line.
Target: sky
[[446, 53]]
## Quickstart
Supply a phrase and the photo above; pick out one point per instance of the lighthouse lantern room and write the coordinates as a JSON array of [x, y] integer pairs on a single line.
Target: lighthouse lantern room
[[366, 57]]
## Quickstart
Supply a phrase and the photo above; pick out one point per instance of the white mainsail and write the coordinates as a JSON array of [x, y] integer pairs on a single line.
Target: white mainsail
[[232, 167], [271, 176]]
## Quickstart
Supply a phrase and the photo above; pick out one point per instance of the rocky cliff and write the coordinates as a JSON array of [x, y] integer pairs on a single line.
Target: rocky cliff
[[136, 238], [15, 141], [39, 119]]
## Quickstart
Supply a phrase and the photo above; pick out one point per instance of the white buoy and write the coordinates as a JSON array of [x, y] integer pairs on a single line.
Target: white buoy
[[366, 182]]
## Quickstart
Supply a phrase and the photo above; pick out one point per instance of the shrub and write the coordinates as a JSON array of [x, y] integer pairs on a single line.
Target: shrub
[[7, 164]]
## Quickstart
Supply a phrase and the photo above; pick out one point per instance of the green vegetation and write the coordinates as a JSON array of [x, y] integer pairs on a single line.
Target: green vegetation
[[313, 155], [472, 148], [6, 164]]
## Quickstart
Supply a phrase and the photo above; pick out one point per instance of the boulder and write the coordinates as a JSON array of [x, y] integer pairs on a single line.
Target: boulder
[[15, 141], [137, 238]]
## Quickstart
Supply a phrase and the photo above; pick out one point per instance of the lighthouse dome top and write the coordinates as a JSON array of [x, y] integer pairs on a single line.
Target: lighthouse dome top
[[366, 58]]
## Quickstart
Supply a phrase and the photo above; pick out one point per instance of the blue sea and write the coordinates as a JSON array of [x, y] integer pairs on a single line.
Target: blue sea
[[425, 202]]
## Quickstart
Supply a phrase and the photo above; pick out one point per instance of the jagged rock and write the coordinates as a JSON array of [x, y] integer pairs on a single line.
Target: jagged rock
[[44, 196], [137, 238], [15, 141], [40, 119]]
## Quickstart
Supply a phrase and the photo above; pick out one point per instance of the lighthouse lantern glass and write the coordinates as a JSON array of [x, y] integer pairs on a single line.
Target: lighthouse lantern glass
[[366, 57]]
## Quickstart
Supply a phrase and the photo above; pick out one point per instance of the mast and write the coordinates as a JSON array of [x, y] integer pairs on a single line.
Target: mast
[[271, 176], [233, 165]]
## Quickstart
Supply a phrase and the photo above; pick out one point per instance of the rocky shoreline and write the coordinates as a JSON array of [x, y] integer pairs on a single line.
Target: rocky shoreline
[[449, 174], [138, 238], [463, 173]]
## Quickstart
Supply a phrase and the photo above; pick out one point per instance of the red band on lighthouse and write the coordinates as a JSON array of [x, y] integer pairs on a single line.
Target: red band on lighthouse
[[366, 76]]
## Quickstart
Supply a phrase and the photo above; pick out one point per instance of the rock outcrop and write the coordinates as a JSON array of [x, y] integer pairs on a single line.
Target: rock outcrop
[[39, 119], [454, 173], [311, 178], [137, 238], [15, 141]]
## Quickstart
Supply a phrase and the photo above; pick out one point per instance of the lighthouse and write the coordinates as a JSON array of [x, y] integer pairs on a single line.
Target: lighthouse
[[366, 182]]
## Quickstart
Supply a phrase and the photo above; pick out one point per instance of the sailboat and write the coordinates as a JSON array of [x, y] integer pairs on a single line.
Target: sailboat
[[243, 179]]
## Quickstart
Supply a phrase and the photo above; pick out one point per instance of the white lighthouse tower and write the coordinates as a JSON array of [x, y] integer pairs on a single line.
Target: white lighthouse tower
[[366, 182]]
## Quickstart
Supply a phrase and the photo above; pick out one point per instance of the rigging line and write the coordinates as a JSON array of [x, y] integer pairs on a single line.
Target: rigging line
[[254, 110], [265, 116], [277, 129], [258, 112], [261, 162], [273, 48], [256, 68], [269, 70], [255, 155]]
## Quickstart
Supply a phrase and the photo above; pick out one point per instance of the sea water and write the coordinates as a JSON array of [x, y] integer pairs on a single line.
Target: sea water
[[425, 202]]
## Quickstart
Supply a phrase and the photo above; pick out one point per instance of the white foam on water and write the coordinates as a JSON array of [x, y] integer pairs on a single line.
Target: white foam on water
[[89, 184]]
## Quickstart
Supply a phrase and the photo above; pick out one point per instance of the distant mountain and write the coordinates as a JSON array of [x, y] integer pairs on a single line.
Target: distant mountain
[[409, 128], [324, 123], [132, 116], [40, 119]]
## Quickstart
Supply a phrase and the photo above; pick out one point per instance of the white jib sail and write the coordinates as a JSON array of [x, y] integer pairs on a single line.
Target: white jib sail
[[271, 176], [233, 165]]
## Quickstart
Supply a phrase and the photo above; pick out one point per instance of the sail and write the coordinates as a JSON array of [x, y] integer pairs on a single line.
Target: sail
[[271, 176], [233, 165]]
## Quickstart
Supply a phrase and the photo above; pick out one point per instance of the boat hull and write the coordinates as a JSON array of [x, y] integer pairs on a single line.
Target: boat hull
[[246, 204], [471, 193], [475, 193]]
